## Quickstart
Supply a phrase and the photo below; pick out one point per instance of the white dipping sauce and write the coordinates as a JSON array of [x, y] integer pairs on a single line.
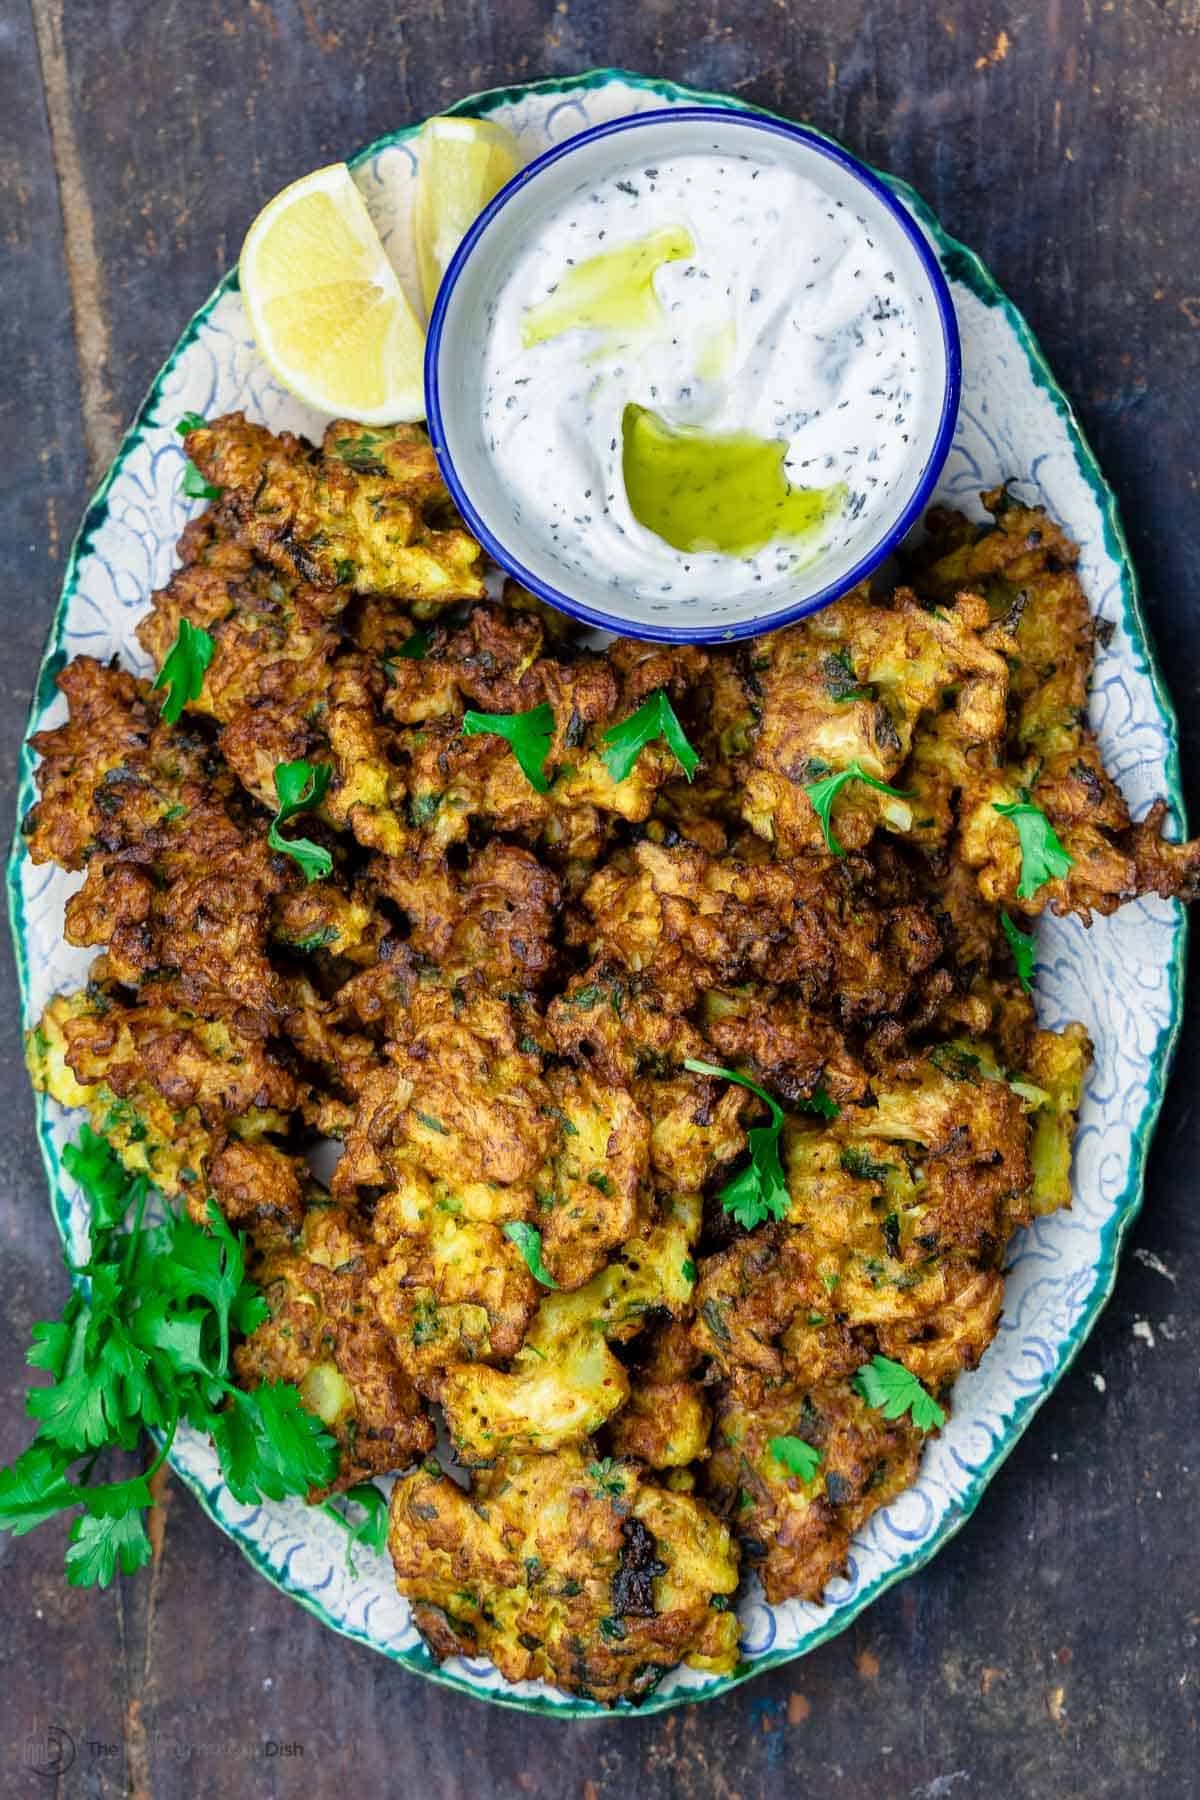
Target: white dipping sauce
[[788, 322]]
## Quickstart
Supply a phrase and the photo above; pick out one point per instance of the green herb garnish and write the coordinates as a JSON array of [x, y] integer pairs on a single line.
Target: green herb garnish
[[797, 1457], [146, 1345], [182, 673], [529, 734], [654, 718], [822, 795], [760, 1191], [1043, 858], [298, 787], [528, 1240], [195, 486], [608, 1475], [191, 422], [894, 1390], [1023, 945], [371, 1529]]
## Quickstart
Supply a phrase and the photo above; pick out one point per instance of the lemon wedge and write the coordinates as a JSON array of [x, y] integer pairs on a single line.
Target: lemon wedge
[[462, 164], [325, 304]]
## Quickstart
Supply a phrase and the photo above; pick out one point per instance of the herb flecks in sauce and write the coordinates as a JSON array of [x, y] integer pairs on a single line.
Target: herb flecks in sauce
[[715, 490]]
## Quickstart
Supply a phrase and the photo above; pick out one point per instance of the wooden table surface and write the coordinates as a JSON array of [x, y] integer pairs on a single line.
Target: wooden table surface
[[1051, 1649]]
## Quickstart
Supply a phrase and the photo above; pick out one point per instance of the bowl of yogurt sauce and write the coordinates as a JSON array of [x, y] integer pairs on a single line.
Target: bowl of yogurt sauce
[[692, 374]]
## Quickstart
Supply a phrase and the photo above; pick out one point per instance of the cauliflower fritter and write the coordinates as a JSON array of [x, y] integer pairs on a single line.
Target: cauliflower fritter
[[568, 1567], [650, 1112]]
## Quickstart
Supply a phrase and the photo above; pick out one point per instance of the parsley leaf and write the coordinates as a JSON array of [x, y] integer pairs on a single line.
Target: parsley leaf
[[894, 1390], [608, 1475], [528, 1240], [183, 669], [371, 1529], [191, 421], [654, 718], [797, 1457], [1043, 858], [760, 1191], [106, 1184], [822, 795], [529, 734], [146, 1344], [299, 786], [270, 1446], [34, 1488], [819, 1101], [415, 646], [1023, 945], [195, 486], [109, 1534]]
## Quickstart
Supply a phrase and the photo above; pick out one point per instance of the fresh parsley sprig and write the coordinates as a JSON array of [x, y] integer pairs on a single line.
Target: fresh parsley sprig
[[371, 1530], [823, 793], [299, 786], [145, 1345], [894, 1390], [184, 665], [529, 734], [1043, 858], [655, 718], [191, 421], [760, 1191], [1023, 945], [195, 486], [797, 1457], [528, 1240]]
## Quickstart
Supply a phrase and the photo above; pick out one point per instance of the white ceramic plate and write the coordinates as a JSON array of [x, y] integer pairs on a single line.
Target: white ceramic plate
[[1123, 978]]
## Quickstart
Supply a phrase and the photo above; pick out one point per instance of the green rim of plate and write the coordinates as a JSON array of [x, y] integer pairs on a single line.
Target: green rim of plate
[[961, 264]]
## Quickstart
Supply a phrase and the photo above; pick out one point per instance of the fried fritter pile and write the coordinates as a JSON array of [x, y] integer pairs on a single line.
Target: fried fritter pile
[[490, 1002]]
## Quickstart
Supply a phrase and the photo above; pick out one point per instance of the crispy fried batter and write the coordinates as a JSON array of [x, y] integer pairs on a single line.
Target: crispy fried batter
[[578, 1571], [490, 1006]]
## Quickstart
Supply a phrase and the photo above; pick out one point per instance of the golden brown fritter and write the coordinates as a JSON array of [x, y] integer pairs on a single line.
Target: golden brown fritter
[[492, 1005], [795, 1532], [368, 511], [566, 1567], [323, 1335]]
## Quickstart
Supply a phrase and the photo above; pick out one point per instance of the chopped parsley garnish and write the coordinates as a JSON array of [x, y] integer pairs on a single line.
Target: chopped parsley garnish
[[957, 1063], [195, 486], [182, 673], [863, 1166], [841, 683], [298, 787], [797, 1457], [655, 718], [760, 1191], [371, 1529], [191, 421], [688, 1270], [1043, 858], [1023, 945], [146, 1345], [414, 647], [894, 1390], [528, 1240], [608, 1475], [822, 795], [344, 572], [529, 734]]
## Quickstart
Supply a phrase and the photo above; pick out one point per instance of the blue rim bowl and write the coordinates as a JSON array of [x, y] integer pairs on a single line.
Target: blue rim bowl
[[724, 121]]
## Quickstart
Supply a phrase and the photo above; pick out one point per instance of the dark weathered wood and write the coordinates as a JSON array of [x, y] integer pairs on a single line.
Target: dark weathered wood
[[1051, 1650]]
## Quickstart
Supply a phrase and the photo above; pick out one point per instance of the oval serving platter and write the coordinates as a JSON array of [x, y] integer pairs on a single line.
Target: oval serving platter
[[1123, 978]]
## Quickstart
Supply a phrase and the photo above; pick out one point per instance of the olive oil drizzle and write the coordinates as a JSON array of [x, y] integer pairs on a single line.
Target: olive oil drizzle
[[715, 491]]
